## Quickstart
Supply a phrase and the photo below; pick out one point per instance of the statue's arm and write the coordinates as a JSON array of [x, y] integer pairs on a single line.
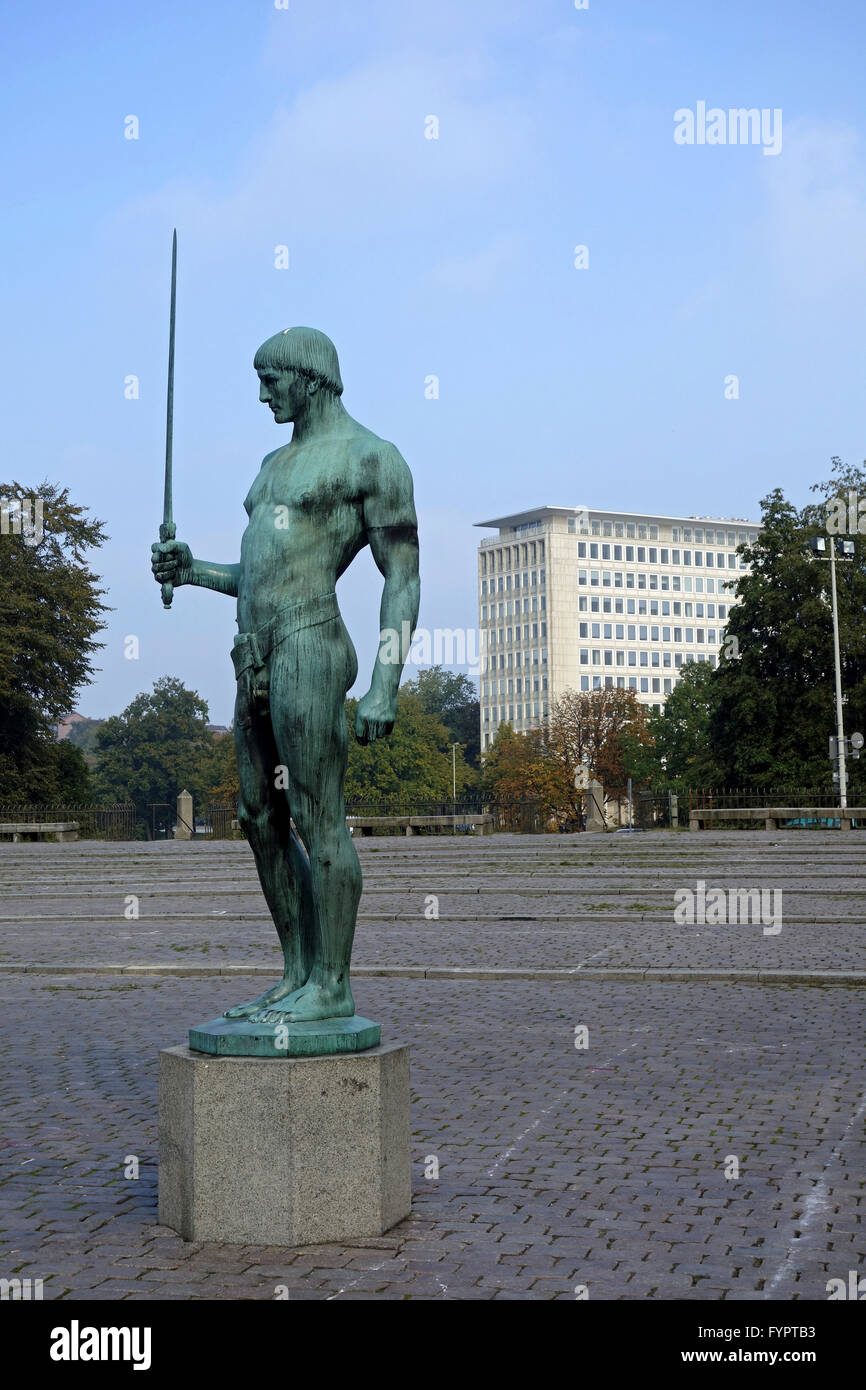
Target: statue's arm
[[173, 562], [208, 574], [392, 531]]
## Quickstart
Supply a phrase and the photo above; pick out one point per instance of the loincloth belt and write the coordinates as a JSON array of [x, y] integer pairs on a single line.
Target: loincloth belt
[[252, 649]]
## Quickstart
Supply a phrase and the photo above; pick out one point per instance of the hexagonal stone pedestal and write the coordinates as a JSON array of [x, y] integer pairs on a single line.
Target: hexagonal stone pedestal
[[284, 1151]]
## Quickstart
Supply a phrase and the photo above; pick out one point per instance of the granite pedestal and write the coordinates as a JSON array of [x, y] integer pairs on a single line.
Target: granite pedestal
[[284, 1151]]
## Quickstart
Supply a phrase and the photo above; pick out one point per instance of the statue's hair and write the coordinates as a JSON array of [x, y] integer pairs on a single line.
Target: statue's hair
[[308, 351]]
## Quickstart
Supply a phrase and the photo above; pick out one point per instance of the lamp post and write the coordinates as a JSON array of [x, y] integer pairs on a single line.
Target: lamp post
[[822, 548], [840, 732], [454, 748]]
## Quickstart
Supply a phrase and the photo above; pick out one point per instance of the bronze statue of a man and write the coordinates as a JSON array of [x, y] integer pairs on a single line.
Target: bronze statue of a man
[[334, 488]]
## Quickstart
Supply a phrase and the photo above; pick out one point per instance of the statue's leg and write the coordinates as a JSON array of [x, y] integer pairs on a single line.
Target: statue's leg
[[283, 867], [310, 674]]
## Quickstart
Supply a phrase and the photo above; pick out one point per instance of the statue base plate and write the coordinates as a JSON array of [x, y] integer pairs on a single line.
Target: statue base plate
[[238, 1037]]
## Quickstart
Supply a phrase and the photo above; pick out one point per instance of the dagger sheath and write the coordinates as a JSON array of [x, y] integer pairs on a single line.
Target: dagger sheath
[[168, 530]]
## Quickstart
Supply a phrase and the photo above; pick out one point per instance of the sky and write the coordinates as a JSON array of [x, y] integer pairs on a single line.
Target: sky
[[306, 127]]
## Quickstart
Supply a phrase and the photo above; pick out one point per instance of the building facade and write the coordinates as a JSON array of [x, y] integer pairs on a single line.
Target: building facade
[[570, 598]]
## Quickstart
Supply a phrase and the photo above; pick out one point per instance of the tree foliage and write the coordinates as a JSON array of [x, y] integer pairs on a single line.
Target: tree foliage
[[217, 777], [155, 749], [413, 765], [454, 699], [774, 702], [50, 613], [604, 731], [680, 733]]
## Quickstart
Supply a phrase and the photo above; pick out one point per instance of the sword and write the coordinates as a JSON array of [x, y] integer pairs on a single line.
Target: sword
[[168, 530]]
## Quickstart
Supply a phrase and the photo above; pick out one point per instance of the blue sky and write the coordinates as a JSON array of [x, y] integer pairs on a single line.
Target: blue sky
[[305, 127]]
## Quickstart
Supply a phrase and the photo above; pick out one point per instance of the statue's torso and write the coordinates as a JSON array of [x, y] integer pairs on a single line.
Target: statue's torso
[[306, 523]]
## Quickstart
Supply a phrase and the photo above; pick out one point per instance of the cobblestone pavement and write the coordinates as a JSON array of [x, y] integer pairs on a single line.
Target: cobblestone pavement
[[558, 1166], [503, 901]]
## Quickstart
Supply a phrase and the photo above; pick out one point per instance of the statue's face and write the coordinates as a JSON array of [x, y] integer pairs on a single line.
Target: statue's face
[[285, 391]]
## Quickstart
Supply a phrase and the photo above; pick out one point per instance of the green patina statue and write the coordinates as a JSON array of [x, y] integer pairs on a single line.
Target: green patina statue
[[315, 503]]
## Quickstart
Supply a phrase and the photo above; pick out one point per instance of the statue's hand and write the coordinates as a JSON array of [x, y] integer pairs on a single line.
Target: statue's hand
[[375, 717], [171, 562]]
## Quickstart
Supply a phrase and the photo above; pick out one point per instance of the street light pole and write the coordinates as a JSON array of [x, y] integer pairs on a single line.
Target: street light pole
[[840, 732], [454, 748]]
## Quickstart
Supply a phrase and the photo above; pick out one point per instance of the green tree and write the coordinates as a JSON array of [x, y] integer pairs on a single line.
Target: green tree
[[74, 781], [412, 766], [454, 699], [217, 777], [155, 749], [774, 703], [50, 613], [680, 733], [83, 735]]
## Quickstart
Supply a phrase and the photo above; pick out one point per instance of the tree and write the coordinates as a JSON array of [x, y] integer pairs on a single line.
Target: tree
[[74, 781], [774, 703], [454, 699], [83, 735], [155, 749], [218, 773], [513, 767], [413, 765], [681, 731], [603, 730], [50, 613]]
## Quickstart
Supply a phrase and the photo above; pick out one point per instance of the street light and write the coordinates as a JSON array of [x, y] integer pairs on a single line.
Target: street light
[[454, 748], [822, 548]]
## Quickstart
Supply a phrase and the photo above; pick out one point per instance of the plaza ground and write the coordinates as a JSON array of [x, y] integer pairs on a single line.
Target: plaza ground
[[558, 1166]]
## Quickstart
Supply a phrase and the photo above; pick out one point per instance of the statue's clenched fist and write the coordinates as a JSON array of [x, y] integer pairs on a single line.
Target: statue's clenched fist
[[171, 562], [375, 716]]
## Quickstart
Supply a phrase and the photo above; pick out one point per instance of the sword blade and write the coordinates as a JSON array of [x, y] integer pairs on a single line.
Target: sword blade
[[167, 530], [169, 404]]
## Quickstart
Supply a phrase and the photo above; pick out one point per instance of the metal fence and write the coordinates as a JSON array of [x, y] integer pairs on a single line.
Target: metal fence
[[221, 822], [651, 810], [528, 817], [112, 822], [670, 808]]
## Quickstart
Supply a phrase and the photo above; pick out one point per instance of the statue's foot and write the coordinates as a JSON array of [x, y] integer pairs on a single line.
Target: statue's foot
[[310, 1002], [281, 990]]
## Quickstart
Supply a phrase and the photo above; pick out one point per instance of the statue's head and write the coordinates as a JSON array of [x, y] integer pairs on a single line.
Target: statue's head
[[294, 366]]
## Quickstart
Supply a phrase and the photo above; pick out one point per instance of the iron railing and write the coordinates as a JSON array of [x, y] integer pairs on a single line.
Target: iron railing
[[112, 822]]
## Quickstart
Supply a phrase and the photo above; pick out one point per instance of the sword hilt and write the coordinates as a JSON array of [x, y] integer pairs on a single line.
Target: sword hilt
[[167, 532]]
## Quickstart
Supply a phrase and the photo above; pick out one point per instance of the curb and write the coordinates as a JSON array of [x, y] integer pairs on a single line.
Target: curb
[[459, 972]]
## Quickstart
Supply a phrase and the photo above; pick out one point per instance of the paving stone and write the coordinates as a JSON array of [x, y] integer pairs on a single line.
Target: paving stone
[[558, 1166]]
